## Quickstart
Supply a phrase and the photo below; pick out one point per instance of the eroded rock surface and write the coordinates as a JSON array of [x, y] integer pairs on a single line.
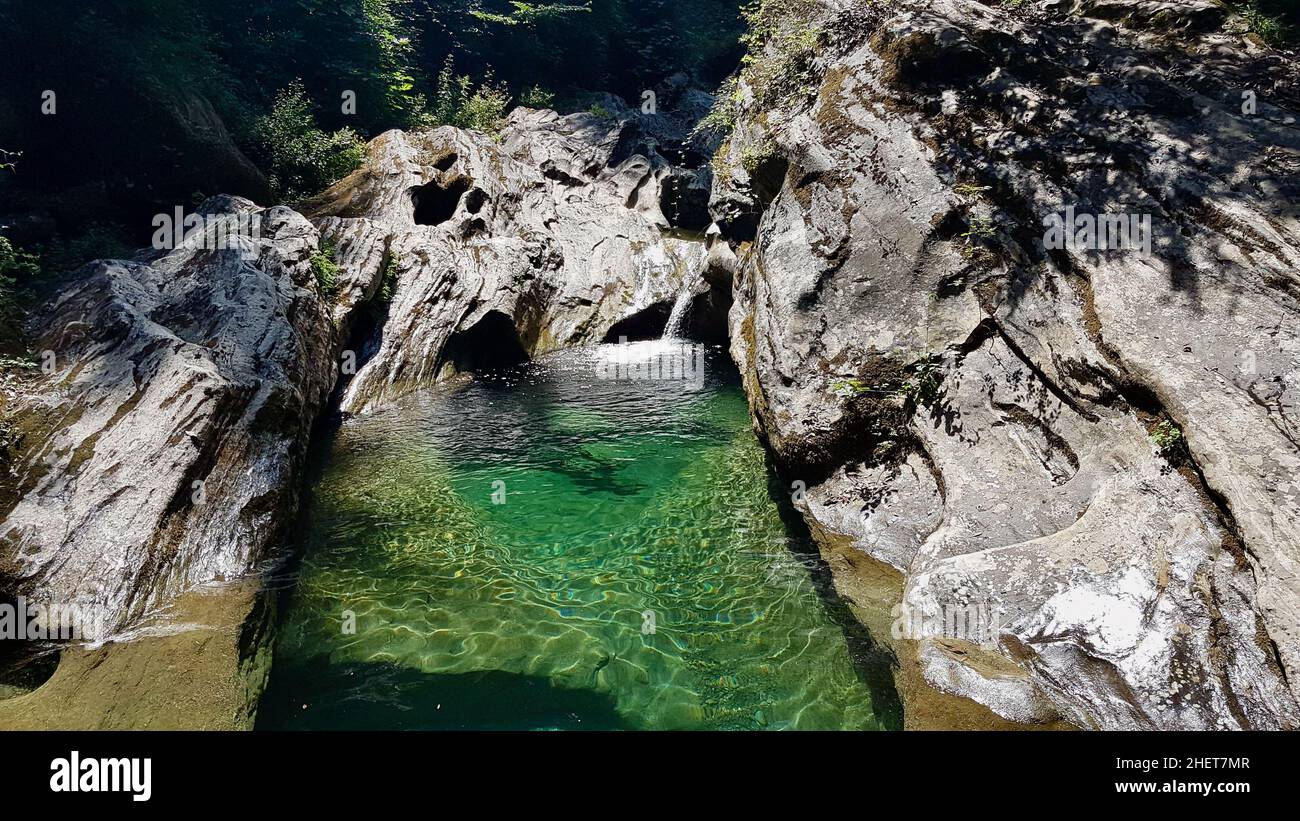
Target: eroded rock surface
[[161, 456], [972, 413], [558, 233], [162, 451]]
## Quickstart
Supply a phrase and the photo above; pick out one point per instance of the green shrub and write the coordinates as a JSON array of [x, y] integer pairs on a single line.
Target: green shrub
[[388, 283], [753, 155], [1168, 438], [722, 117], [528, 14], [780, 46], [485, 109], [922, 385], [17, 267], [464, 104], [721, 164], [537, 97], [967, 189], [849, 388], [917, 386], [979, 228], [326, 270], [376, 310], [1271, 28], [300, 157]]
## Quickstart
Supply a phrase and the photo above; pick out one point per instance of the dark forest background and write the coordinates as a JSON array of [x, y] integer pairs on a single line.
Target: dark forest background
[[161, 102]]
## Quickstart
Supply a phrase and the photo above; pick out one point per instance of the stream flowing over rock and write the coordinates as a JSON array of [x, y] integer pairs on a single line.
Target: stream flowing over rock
[[972, 413]]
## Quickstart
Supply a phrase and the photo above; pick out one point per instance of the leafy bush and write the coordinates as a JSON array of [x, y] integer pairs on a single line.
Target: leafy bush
[[1272, 28], [720, 163], [300, 157], [753, 155], [780, 46], [326, 270], [376, 310], [918, 386], [528, 14], [17, 267], [388, 283], [464, 104], [967, 189], [721, 119], [922, 386], [485, 109], [784, 75], [849, 388], [537, 97], [979, 228], [1168, 438]]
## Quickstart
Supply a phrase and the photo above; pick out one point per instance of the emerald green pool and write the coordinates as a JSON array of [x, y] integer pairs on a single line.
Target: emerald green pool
[[550, 549]]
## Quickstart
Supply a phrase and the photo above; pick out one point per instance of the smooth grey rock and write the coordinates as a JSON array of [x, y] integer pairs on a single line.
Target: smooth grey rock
[[203, 365], [971, 413]]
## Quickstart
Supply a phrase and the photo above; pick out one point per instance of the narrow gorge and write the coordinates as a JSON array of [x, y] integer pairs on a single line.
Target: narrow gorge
[[918, 465]]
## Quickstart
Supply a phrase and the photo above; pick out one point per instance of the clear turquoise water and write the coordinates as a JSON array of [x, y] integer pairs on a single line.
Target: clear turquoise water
[[625, 502]]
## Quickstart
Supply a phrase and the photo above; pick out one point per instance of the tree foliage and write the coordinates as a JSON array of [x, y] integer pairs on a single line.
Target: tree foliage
[[162, 100], [16, 268], [301, 158]]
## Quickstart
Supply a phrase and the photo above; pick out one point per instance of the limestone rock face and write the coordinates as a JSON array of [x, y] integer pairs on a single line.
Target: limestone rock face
[[983, 424], [557, 233], [162, 451]]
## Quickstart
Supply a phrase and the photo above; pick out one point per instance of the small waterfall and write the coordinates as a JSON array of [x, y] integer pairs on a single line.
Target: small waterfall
[[681, 310], [691, 285], [694, 256]]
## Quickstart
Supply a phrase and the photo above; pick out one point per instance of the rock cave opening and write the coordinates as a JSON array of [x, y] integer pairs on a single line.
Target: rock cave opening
[[647, 323], [491, 343], [436, 203], [24, 665], [685, 202]]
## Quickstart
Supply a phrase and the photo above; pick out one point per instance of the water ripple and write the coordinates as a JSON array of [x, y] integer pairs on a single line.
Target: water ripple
[[625, 504]]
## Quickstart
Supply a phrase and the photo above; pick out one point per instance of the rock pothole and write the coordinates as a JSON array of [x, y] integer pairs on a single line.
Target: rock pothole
[[436, 203]]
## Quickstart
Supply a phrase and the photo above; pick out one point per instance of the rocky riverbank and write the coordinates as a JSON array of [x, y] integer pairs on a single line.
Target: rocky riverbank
[[1092, 450], [157, 464], [1059, 478]]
